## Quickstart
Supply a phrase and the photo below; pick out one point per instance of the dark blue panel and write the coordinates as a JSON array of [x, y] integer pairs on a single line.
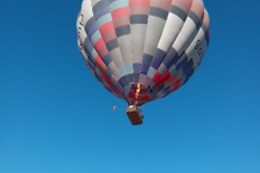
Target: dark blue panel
[[158, 12], [111, 45], [123, 81], [187, 67], [91, 27], [138, 19], [88, 47], [171, 58], [188, 75], [107, 59], [182, 62], [91, 64], [123, 30], [109, 73], [179, 12], [136, 77], [128, 79], [133, 78], [195, 19], [144, 69], [115, 87], [158, 58], [100, 9], [137, 68], [147, 59]]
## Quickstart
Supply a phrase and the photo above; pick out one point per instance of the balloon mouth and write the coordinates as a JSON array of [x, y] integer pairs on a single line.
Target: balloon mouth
[[137, 94]]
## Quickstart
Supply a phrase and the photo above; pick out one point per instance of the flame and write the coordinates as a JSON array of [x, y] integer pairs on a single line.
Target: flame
[[137, 91]]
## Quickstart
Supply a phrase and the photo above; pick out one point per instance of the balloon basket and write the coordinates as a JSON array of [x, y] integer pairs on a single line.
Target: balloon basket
[[134, 114]]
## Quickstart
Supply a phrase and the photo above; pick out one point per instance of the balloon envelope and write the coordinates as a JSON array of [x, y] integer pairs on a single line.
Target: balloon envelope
[[142, 50]]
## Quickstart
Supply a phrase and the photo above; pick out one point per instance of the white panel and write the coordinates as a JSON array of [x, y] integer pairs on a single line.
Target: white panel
[[86, 10], [186, 35], [170, 33], [153, 33]]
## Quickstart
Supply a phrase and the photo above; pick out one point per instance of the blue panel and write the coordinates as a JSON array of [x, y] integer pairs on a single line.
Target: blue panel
[[107, 59], [91, 64], [187, 67], [88, 49], [91, 27], [115, 87], [195, 19], [123, 30], [87, 46], [109, 73], [100, 9], [136, 77], [158, 58], [171, 58], [129, 79], [147, 59], [179, 12], [158, 12], [111, 45], [182, 62], [188, 75], [138, 19], [137, 68], [123, 81]]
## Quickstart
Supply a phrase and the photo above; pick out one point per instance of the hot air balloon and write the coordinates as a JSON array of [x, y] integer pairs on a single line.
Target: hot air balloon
[[114, 108], [142, 50]]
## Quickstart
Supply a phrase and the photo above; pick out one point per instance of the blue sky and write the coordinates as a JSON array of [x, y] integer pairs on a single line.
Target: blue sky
[[55, 117]]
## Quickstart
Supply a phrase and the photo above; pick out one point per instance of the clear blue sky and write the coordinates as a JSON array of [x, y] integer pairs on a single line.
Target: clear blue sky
[[55, 117]]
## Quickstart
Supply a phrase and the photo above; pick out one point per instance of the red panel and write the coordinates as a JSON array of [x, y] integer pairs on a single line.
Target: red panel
[[121, 12], [111, 35], [156, 77], [101, 48], [99, 44], [139, 3], [163, 78], [100, 64], [198, 6], [141, 97], [163, 4], [106, 28]]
